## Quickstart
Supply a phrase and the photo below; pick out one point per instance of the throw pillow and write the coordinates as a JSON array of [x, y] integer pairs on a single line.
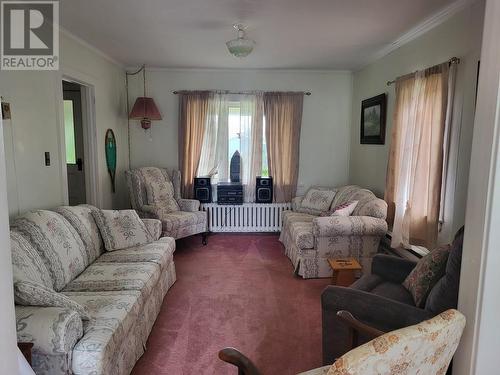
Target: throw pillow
[[426, 274], [121, 229], [318, 199], [30, 294], [345, 209], [161, 194]]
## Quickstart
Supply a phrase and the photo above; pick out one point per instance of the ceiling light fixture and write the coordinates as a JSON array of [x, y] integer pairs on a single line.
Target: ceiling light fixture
[[241, 46]]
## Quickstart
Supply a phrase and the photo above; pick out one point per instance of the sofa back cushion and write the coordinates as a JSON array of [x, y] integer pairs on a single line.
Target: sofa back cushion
[[368, 203], [444, 295], [318, 199], [27, 264], [57, 242], [80, 217]]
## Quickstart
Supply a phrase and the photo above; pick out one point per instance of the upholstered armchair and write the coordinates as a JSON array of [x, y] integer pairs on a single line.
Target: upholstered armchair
[[155, 193], [381, 301], [426, 348], [311, 239]]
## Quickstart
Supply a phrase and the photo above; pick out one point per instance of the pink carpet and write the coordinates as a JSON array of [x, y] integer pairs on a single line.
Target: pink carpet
[[238, 291]]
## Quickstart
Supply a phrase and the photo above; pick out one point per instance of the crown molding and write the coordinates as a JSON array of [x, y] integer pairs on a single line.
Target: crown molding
[[240, 70], [420, 29], [89, 46]]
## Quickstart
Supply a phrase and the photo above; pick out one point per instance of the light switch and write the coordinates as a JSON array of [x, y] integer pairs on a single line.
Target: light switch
[[47, 159]]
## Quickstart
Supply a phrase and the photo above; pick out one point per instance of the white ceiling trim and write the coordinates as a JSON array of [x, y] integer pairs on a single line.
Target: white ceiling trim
[[250, 70], [423, 27], [91, 47]]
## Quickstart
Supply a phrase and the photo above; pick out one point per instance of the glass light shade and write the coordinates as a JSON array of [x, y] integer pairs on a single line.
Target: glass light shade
[[240, 47]]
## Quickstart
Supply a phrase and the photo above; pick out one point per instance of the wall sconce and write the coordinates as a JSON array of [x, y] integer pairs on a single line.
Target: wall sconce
[[144, 108]]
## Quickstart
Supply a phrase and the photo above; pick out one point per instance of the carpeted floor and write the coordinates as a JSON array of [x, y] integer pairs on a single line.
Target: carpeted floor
[[238, 291]]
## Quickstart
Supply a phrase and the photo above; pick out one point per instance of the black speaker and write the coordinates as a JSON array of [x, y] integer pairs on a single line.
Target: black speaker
[[203, 189], [264, 190]]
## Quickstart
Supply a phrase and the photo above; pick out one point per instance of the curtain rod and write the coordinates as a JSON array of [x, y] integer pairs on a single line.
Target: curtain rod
[[453, 60], [239, 92]]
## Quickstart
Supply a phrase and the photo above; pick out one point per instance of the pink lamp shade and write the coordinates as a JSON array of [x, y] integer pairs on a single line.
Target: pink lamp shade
[[145, 109]]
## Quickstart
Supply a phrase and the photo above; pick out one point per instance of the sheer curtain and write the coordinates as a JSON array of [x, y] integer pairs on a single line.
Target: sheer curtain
[[251, 119], [283, 113], [415, 169]]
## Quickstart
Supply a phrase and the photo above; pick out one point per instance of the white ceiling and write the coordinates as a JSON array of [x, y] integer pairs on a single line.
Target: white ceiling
[[290, 34]]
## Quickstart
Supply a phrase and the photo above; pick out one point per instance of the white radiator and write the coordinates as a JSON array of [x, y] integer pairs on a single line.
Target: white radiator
[[248, 217]]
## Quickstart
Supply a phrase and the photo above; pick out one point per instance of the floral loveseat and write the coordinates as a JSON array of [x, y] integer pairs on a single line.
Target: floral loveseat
[[121, 292], [310, 239], [156, 193]]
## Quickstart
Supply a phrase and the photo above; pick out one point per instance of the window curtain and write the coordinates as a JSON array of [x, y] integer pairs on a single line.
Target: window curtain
[[283, 119], [214, 154], [193, 111], [251, 118], [415, 168]]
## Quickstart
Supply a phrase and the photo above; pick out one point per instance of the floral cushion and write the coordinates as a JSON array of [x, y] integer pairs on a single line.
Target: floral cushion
[[30, 294], [116, 276], [425, 348], [426, 273], [159, 188], [345, 209], [159, 252], [318, 199], [27, 265], [58, 243], [121, 229]]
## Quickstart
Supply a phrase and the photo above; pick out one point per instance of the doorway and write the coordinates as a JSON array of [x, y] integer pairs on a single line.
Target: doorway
[[74, 141]]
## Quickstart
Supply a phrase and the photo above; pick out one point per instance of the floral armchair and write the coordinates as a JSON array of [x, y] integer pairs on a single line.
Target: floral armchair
[[424, 348], [155, 193]]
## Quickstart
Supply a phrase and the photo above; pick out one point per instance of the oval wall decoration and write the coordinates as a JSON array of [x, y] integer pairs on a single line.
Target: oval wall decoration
[[110, 146]]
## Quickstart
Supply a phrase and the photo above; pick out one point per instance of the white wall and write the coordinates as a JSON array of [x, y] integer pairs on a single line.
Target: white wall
[[324, 150], [35, 99], [459, 36]]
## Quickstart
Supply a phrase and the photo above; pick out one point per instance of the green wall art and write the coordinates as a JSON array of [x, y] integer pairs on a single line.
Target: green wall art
[[111, 155]]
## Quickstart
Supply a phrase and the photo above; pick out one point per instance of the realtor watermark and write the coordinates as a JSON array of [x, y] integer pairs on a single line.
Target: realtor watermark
[[30, 35]]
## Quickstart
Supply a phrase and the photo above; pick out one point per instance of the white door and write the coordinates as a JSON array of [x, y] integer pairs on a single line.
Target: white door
[[73, 129]]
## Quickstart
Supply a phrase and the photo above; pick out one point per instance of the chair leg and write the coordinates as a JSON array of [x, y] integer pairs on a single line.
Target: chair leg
[[204, 237]]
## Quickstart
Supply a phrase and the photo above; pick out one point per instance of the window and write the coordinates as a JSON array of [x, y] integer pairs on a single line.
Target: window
[[69, 132]]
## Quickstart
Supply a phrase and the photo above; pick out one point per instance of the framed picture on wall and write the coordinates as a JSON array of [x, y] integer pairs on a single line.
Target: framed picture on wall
[[373, 112]]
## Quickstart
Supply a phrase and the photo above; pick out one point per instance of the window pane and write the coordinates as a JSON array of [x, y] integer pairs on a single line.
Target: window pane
[[265, 169], [69, 132]]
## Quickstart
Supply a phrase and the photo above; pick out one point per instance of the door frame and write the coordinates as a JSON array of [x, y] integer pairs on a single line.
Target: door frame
[[90, 143]]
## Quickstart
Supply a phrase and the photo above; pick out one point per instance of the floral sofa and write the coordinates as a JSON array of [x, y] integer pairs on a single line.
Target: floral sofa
[[121, 291], [156, 193], [311, 239]]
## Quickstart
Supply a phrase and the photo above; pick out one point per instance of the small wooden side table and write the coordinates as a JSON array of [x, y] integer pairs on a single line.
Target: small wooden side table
[[344, 270]]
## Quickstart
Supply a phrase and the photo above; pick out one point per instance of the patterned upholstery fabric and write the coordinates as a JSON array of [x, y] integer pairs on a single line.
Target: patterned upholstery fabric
[[185, 221], [425, 348], [30, 294], [182, 224], [154, 227], [80, 217], [317, 371], [159, 252], [121, 229], [115, 276], [121, 291], [317, 199], [356, 236], [53, 236], [426, 274], [27, 264]]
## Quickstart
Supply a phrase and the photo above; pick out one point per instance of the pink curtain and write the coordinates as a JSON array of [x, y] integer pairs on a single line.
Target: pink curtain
[[193, 109], [283, 119]]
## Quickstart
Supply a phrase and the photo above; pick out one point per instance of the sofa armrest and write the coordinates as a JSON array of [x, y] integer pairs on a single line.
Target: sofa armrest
[[148, 211], [332, 226], [189, 205], [297, 203], [154, 227], [52, 330], [392, 268], [379, 312]]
